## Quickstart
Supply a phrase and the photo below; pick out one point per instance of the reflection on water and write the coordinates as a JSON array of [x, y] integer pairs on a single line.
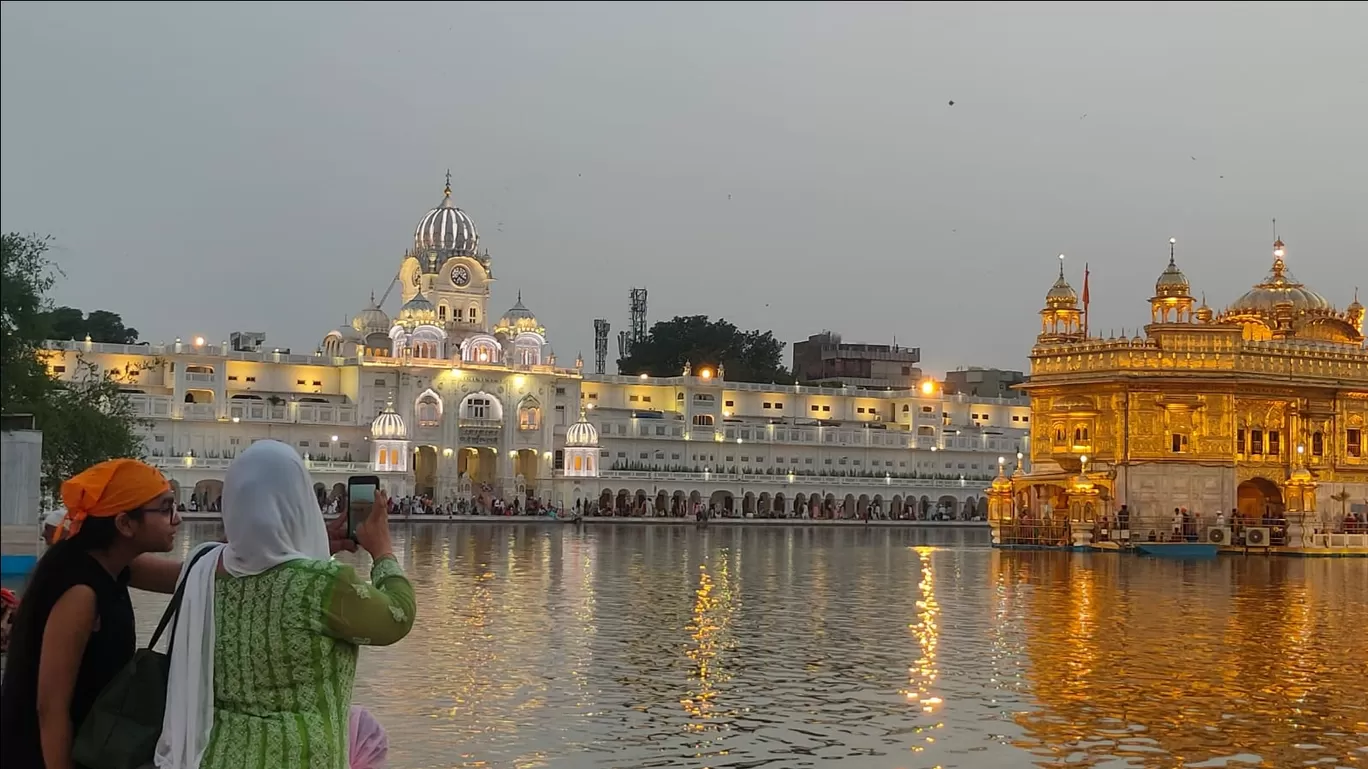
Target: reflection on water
[[667, 646]]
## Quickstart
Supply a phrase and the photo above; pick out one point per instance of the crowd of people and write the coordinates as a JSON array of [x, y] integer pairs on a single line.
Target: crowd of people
[[245, 688]]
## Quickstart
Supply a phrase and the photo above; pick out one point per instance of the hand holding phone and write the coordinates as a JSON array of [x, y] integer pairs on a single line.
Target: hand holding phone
[[368, 515], [361, 490]]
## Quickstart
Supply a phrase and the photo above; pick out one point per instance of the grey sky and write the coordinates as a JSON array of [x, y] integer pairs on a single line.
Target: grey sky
[[205, 168]]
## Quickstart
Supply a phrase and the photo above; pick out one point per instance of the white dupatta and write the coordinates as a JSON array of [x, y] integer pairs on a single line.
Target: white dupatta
[[270, 516]]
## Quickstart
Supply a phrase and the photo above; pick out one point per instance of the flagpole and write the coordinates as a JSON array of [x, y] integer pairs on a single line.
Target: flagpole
[[1086, 299]]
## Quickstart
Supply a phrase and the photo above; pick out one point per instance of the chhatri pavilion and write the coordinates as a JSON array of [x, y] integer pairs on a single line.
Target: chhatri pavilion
[[1256, 411]]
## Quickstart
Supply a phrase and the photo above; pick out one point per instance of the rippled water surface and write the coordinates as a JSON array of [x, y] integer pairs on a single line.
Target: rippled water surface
[[668, 646]]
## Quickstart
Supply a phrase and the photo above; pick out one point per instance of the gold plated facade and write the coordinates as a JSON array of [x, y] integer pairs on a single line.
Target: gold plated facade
[[1259, 410]]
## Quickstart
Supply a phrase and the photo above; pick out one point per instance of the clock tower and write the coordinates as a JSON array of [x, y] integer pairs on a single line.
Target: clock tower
[[446, 266]]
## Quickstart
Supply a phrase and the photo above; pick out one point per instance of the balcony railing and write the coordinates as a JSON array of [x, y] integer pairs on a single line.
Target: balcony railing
[[200, 411], [789, 480], [220, 463]]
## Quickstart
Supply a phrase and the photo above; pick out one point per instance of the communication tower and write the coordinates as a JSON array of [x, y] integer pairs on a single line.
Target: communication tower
[[601, 345], [638, 314]]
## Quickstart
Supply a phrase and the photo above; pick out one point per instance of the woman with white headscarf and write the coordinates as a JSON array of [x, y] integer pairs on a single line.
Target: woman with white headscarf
[[266, 643]]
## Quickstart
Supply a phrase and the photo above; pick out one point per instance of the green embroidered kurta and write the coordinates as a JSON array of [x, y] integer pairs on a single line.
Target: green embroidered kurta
[[285, 644]]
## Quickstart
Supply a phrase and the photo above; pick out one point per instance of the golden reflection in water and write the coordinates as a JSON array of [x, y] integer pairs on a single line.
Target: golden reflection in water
[[1141, 659], [921, 685], [712, 614]]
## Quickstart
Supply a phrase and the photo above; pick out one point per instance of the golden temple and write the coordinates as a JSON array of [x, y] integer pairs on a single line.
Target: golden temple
[[1210, 424]]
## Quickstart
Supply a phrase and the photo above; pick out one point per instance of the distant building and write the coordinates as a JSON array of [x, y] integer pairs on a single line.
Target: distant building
[[824, 358], [977, 380]]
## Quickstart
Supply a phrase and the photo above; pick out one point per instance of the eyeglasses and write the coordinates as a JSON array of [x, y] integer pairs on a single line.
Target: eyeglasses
[[166, 508]]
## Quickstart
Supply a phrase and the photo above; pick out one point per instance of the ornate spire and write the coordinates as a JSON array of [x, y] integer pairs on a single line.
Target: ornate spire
[[446, 191], [1279, 267]]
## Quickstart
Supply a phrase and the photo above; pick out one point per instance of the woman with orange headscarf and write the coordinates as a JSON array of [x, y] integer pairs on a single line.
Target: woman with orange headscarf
[[74, 630]]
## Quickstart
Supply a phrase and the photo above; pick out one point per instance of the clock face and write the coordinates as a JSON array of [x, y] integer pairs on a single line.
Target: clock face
[[460, 275]]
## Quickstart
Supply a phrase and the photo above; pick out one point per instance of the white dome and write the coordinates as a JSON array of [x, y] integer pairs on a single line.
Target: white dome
[[581, 434], [389, 426], [447, 229], [371, 320]]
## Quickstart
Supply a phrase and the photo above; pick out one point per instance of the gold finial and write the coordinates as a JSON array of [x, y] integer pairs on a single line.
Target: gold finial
[[1172, 243], [1061, 265], [447, 191]]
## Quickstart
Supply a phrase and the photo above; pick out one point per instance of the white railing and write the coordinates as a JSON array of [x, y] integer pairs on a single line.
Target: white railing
[[193, 376], [199, 411], [1337, 540], [1007, 441], [791, 480], [220, 463]]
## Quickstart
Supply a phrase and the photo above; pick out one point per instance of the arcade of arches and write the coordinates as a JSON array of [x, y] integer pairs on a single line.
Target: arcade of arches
[[663, 502]]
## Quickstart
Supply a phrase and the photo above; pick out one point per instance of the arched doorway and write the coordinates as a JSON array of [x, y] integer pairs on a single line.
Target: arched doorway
[[425, 471], [1257, 498]]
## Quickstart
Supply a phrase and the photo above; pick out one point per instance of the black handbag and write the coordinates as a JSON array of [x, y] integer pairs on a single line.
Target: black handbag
[[125, 722]]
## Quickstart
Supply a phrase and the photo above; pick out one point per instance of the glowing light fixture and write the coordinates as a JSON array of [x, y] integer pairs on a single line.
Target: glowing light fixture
[[645, 376], [199, 341], [519, 380], [706, 373], [928, 387]]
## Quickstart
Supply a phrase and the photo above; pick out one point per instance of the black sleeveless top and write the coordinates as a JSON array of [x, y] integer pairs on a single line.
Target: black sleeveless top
[[110, 647]]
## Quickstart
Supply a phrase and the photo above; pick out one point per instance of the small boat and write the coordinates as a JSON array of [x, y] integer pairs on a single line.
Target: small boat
[[1177, 549]]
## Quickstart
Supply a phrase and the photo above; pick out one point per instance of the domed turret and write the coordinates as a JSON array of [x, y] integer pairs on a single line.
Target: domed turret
[[1061, 320], [1172, 282], [417, 311], [371, 320], [1061, 295], [1204, 313], [581, 434], [447, 229], [518, 320], [1354, 313], [1172, 300], [388, 425]]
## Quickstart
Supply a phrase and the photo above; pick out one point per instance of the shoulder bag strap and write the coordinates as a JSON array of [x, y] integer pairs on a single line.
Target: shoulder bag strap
[[173, 608]]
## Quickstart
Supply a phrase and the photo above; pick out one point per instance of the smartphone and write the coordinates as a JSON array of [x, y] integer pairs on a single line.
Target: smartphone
[[360, 498]]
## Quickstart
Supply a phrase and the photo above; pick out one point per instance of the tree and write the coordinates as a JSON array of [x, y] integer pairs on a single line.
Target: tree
[[85, 418], [747, 356], [1342, 497], [99, 325]]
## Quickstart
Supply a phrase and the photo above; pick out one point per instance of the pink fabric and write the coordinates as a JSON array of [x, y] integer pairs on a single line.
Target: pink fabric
[[369, 747]]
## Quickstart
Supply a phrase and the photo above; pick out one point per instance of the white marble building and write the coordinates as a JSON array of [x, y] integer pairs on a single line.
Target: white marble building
[[445, 400]]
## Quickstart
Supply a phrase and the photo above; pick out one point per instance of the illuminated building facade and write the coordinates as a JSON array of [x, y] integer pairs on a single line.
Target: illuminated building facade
[[1257, 410], [443, 399]]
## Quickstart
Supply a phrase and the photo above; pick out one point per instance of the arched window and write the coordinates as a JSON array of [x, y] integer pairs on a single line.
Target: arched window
[[429, 410], [589, 464], [703, 420], [1317, 444], [529, 415], [474, 314], [579, 463], [442, 312], [478, 408]]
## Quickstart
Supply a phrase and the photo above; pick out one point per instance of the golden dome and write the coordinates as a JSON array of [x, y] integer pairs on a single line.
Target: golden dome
[[1061, 295], [1301, 475], [1204, 313], [1172, 282], [1279, 287]]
